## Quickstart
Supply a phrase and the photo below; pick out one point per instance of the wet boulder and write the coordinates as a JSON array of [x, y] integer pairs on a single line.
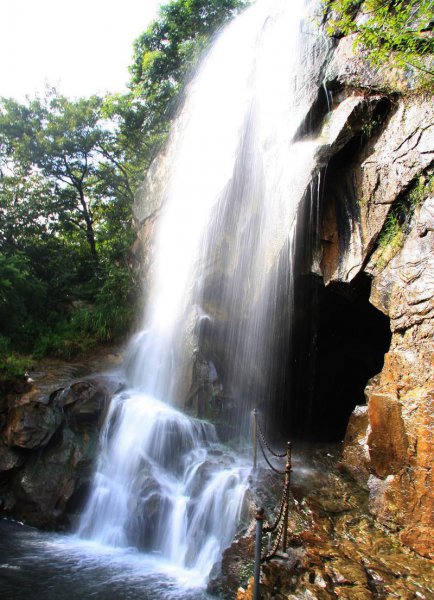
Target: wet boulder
[[48, 481], [85, 400], [9, 459], [49, 440], [148, 508], [32, 425]]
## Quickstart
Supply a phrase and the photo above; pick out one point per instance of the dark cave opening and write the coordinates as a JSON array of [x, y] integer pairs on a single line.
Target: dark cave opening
[[335, 339], [338, 342], [324, 342]]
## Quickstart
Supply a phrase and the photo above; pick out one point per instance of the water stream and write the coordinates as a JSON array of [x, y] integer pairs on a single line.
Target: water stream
[[46, 566], [164, 485], [233, 179]]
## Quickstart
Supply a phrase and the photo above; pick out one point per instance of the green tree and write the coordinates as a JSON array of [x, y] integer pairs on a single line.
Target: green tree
[[63, 141], [164, 56], [65, 217], [69, 170]]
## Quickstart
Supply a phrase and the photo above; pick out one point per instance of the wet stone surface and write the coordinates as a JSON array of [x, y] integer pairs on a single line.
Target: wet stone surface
[[336, 550], [49, 431]]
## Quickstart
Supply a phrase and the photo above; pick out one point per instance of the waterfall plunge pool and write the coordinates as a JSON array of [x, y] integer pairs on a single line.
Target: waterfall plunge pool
[[47, 566]]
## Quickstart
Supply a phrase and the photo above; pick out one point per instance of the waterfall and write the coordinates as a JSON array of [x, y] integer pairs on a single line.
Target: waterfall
[[233, 174], [163, 484]]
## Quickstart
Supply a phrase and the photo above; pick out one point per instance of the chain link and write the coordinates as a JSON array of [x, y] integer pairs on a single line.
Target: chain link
[[277, 542], [267, 461], [271, 528], [280, 520], [264, 441]]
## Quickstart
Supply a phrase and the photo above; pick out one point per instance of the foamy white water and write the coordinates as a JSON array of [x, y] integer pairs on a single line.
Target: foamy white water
[[235, 178], [164, 485]]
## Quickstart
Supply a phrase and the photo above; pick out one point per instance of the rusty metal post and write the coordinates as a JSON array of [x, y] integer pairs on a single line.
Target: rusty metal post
[[287, 486], [255, 437], [258, 550]]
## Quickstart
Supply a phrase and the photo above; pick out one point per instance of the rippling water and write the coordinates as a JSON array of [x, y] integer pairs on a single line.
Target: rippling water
[[43, 566]]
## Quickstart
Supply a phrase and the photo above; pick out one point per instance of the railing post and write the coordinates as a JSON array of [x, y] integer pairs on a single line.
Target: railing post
[[258, 550], [287, 486], [255, 437]]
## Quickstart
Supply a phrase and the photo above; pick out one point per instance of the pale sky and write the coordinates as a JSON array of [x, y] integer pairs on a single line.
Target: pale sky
[[82, 47]]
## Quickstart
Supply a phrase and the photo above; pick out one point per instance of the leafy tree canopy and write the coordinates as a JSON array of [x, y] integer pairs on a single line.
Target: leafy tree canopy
[[59, 141], [65, 208], [69, 170], [164, 55]]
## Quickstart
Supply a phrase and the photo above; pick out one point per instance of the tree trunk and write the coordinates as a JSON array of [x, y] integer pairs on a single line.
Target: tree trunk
[[90, 234]]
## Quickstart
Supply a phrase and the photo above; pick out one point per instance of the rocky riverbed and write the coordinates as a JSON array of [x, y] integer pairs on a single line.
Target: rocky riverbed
[[335, 548]]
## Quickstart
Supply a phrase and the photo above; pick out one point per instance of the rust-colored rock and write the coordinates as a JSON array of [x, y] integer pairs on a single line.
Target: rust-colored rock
[[340, 554], [389, 445], [400, 432], [387, 441], [356, 451]]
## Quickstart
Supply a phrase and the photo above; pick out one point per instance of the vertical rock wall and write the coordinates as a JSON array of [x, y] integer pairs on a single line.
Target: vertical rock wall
[[379, 218], [397, 438]]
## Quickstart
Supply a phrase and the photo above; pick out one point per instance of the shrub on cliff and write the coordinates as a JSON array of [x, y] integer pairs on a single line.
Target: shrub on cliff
[[397, 33]]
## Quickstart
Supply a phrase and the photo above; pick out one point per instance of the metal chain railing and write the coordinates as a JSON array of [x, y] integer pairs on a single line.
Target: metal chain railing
[[264, 441], [280, 524], [267, 461], [281, 521], [278, 518]]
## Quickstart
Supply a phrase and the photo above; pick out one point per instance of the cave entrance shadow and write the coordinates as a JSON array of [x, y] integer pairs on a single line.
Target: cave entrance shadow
[[337, 343]]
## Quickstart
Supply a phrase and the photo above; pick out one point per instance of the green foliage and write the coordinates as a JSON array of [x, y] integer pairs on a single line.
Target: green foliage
[[421, 190], [69, 170], [370, 127], [65, 220], [392, 232], [22, 295], [86, 325], [112, 313], [246, 571], [164, 56], [398, 220], [61, 141], [397, 33], [12, 366]]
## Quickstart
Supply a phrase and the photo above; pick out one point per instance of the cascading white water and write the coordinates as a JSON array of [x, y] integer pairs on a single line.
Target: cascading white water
[[163, 483]]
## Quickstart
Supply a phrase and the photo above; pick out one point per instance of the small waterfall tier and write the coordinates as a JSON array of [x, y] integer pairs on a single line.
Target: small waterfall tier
[[163, 485]]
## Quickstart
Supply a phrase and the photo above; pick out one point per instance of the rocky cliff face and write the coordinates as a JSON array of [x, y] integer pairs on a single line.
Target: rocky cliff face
[[388, 220], [389, 442], [376, 212]]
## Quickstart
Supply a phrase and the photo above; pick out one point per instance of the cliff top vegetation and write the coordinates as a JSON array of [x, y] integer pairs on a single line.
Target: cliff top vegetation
[[392, 33]]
